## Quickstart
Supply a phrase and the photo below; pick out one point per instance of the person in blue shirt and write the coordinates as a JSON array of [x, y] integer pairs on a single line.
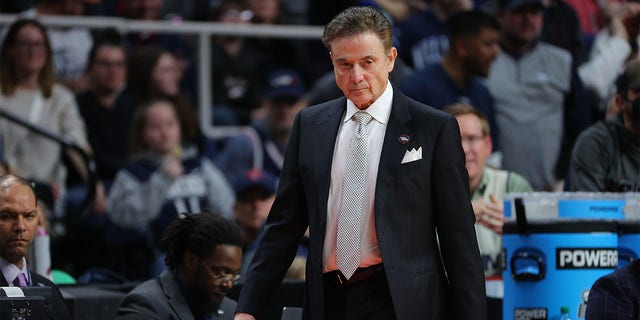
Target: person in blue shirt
[[474, 43], [263, 145], [423, 36]]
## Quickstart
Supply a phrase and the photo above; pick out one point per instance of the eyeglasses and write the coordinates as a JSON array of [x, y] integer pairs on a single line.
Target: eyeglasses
[[222, 276], [472, 140], [24, 45], [110, 64]]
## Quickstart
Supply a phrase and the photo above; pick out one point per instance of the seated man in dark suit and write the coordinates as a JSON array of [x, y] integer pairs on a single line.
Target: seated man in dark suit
[[616, 295], [204, 254], [18, 225]]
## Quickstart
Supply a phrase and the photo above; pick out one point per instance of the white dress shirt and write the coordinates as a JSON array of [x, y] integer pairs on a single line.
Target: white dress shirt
[[10, 271], [380, 110]]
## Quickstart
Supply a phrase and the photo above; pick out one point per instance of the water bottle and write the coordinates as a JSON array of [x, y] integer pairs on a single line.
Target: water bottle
[[42, 253], [564, 313]]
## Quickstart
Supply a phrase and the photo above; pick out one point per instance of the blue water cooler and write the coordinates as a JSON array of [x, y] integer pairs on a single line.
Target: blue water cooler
[[628, 241], [553, 263]]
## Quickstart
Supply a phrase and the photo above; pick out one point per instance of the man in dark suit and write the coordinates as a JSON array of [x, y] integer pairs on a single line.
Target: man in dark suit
[[416, 252], [616, 295], [18, 225], [204, 253]]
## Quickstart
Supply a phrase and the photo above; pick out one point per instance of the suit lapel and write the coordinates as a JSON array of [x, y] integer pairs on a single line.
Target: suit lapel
[[175, 296], [392, 151], [325, 131]]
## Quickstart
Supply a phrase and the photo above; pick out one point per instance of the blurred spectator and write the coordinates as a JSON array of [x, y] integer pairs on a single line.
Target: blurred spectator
[[255, 191], [606, 157], [106, 107], [142, 9], [561, 28], [16, 6], [29, 91], [488, 186], [237, 67], [612, 49], [107, 111], [295, 12], [399, 10], [298, 54], [284, 97], [473, 38], [165, 179], [70, 45], [265, 11], [589, 14], [538, 98], [153, 72], [423, 36], [186, 10], [176, 44]]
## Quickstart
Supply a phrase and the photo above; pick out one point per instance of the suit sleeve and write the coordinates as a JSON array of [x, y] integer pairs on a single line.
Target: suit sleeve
[[287, 222], [58, 307], [613, 296], [136, 307], [454, 221]]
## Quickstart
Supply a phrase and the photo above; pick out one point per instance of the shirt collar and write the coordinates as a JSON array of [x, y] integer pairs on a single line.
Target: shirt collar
[[482, 186], [10, 271], [379, 109]]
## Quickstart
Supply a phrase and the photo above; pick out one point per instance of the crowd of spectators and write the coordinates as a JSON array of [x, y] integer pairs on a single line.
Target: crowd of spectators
[[541, 70]]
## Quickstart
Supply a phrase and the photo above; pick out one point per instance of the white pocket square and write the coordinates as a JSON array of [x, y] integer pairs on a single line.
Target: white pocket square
[[412, 155]]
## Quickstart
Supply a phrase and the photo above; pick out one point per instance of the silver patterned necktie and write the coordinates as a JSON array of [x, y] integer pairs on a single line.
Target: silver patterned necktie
[[352, 204]]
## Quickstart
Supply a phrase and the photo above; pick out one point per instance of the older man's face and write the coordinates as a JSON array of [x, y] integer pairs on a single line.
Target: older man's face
[[476, 145], [18, 221], [362, 66]]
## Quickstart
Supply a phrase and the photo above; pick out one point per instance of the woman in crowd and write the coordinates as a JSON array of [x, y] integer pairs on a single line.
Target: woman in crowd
[[165, 178], [154, 73], [29, 91]]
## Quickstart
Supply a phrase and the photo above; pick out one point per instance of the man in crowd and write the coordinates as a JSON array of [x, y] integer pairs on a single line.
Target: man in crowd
[[538, 96], [606, 157], [423, 36], [474, 39], [488, 186], [265, 148]]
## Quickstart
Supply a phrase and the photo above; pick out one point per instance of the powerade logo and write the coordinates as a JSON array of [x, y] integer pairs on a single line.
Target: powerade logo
[[530, 314], [586, 258], [603, 209]]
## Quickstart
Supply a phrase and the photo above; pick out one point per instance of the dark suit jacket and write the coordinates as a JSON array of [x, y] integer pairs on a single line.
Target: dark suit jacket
[[616, 296], [59, 309], [161, 298], [411, 201]]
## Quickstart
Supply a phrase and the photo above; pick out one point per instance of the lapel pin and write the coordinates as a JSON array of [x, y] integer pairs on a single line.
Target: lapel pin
[[403, 138]]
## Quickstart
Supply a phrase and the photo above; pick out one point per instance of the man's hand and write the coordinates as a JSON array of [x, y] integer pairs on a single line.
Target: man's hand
[[489, 214], [243, 316]]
